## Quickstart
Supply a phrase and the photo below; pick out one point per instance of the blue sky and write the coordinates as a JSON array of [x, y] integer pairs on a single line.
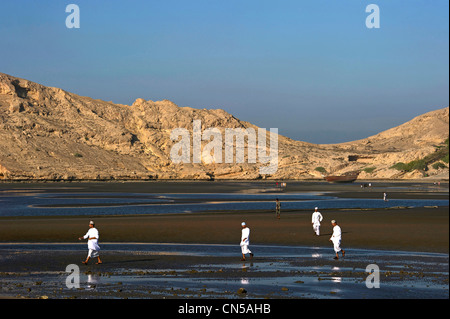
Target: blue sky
[[309, 68]]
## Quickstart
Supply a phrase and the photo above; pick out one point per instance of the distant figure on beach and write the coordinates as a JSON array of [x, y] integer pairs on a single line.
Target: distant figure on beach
[[385, 197], [92, 235], [336, 239], [278, 208], [316, 219], [245, 241]]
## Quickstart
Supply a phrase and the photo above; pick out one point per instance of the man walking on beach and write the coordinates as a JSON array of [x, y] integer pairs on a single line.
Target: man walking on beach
[[336, 239], [316, 219], [92, 235], [245, 241], [278, 208]]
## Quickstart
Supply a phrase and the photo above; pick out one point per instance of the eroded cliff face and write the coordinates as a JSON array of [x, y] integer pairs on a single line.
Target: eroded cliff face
[[48, 133]]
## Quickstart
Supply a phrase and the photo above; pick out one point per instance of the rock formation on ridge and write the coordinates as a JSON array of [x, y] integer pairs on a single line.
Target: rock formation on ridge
[[49, 134]]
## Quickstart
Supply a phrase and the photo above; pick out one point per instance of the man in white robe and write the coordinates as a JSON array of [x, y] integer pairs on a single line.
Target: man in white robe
[[336, 239], [92, 235], [245, 241], [316, 219]]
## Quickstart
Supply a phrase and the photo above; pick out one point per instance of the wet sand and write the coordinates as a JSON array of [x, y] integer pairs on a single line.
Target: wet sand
[[414, 229], [396, 229], [311, 274], [132, 272]]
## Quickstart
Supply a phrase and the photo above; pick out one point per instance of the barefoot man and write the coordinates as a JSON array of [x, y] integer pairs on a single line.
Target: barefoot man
[[245, 241], [92, 236], [336, 239]]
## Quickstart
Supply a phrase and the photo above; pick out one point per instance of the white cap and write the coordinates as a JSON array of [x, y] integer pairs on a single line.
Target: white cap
[[316, 208], [91, 222], [333, 221], [243, 224]]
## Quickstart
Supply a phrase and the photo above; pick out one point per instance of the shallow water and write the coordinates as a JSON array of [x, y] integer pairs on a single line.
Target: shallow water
[[32, 203], [219, 250]]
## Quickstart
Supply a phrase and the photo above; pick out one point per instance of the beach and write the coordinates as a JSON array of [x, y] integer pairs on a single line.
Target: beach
[[414, 229], [197, 255]]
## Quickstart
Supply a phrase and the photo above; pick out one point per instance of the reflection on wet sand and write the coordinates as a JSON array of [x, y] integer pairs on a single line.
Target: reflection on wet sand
[[214, 271]]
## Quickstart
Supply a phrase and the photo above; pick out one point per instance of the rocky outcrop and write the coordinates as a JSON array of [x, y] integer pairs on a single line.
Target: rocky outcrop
[[48, 133]]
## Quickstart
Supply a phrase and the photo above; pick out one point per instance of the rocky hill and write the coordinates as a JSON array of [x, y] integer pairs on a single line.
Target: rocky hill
[[49, 134]]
